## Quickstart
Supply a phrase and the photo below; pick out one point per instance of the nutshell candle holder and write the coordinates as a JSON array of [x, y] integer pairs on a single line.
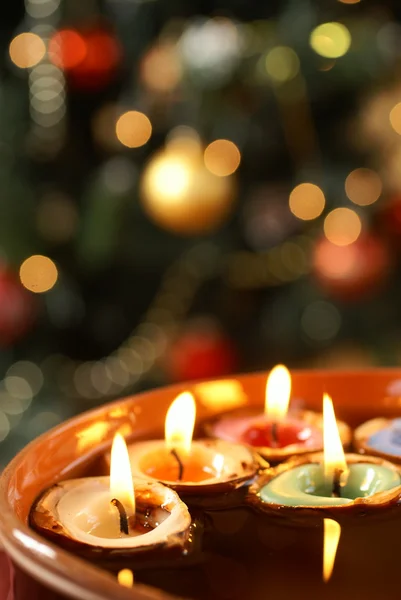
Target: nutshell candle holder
[[275, 434], [201, 468], [302, 477], [161, 524], [329, 479], [230, 466], [237, 550], [380, 437]]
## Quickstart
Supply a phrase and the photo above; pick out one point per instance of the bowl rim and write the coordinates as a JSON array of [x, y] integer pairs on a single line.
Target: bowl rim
[[38, 557]]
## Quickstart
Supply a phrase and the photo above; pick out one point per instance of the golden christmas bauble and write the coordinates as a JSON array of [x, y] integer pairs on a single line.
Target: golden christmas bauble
[[181, 195]]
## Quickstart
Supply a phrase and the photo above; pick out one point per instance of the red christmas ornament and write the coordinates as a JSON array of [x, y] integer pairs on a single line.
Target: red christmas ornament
[[354, 271], [201, 352], [16, 308], [90, 57]]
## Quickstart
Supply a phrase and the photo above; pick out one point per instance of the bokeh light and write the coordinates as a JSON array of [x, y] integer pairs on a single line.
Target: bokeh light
[[27, 50], [363, 186], [342, 226], [307, 201], [282, 64], [40, 9], [160, 68], [222, 157], [28, 371], [18, 387], [38, 273], [133, 129], [349, 1], [171, 179], [330, 40], [395, 118], [67, 49]]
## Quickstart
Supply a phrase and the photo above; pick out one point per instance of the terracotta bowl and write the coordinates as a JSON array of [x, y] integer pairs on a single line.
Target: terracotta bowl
[[38, 566]]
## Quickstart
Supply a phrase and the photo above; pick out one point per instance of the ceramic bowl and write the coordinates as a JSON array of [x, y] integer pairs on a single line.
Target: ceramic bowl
[[59, 454]]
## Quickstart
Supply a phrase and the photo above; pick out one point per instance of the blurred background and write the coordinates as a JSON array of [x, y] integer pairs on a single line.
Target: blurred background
[[189, 190]]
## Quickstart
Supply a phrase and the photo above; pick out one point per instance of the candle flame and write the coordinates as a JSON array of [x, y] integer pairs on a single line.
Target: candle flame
[[332, 532], [278, 392], [333, 456], [126, 578], [121, 484], [180, 423]]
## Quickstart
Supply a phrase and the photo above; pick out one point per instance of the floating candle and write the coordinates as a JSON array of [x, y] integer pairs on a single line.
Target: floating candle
[[276, 434], [331, 479], [201, 466], [105, 513], [381, 437]]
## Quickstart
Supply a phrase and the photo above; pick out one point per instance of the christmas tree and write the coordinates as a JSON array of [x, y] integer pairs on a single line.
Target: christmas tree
[[192, 191]]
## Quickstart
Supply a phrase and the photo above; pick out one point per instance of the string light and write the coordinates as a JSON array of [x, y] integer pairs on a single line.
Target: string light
[[27, 50], [133, 129], [307, 201], [342, 226], [282, 64], [330, 40], [363, 186], [222, 157], [38, 273]]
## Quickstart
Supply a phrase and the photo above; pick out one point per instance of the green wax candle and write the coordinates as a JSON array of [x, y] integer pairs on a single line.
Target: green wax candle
[[305, 485]]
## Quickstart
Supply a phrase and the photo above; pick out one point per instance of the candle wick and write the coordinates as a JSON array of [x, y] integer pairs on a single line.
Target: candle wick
[[274, 434], [336, 489], [180, 464], [123, 515]]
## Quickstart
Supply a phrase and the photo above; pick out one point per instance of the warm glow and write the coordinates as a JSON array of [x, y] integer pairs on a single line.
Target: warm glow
[[342, 226], [330, 40], [278, 392], [307, 201], [395, 118], [349, 1], [121, 484], [222, 157], [133, 129], [222, 395], [91, 436], [282, 64], [126, 577], [38, 274], [334, 459], [27, 50], [171, 179], [332, 532], [180, 423], [363, 186]]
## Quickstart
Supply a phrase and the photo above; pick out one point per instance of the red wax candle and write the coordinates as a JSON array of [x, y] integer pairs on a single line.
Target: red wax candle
[[277, 434]]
